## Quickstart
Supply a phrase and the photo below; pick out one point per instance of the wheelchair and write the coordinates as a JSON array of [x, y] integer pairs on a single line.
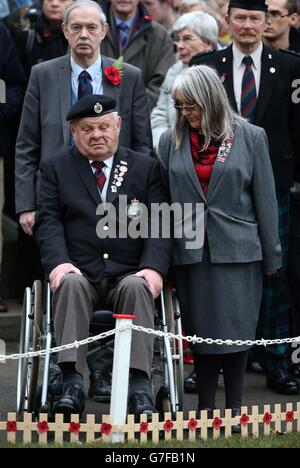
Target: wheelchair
[[34, 393]]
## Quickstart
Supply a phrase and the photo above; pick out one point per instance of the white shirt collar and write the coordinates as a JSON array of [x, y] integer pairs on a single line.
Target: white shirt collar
[[238, 56], [108, 162], [93, 70]]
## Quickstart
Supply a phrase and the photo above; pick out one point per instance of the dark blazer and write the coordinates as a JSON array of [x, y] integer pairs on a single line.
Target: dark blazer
[[44, 130], [67, 220], [12, 74], [275, 112]]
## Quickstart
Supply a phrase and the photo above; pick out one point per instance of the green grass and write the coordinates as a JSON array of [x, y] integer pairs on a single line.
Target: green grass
[[278, 441]]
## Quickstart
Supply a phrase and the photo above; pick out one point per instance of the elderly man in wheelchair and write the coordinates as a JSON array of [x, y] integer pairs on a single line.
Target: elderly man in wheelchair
[[88, 269]]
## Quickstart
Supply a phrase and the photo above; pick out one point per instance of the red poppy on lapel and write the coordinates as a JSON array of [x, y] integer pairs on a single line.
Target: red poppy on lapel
[[113, 75]]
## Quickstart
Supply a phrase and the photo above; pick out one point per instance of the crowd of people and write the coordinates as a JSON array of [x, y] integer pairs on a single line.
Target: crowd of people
[[165, 101]]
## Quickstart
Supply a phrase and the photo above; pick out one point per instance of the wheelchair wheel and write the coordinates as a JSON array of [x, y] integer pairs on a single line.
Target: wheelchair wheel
[[179, 368], [30, 339], [37, 311], [174, 326]]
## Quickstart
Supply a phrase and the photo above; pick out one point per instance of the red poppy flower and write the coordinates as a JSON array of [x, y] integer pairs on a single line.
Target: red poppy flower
[[244, 421], [74, 428], [43, 427], [106, 428], [192, 424], [267, 419], [168, 426], [11, 426], [144, 427], [217, 423], [289, 417], [113, 75]]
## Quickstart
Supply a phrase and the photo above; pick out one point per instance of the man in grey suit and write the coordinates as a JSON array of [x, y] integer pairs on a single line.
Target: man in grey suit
[[54, 86]]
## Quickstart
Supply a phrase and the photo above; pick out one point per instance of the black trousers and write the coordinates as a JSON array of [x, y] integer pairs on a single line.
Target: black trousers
[[207, 369]]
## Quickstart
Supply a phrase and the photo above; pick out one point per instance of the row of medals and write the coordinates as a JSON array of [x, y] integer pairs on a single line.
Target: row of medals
[[120, 171]]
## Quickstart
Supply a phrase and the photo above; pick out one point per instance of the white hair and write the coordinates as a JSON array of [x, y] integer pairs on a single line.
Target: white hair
[[202, 85], [202, 24], [82, 3]]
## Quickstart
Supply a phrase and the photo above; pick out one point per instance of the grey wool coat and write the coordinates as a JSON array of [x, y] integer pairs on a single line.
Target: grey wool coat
[[240, 209]]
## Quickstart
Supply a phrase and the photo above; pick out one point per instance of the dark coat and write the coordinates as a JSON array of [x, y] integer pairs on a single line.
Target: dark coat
[[275, 111], [294, 39], [67, 219], [149, 48], [12, 74], [41, 43]]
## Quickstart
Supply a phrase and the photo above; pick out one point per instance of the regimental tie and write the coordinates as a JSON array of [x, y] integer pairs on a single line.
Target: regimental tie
[[249, 96], [124, 28], [85, 87], [99, 174]]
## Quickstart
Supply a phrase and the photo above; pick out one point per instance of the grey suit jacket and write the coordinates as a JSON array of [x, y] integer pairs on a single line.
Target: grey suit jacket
[[44, 130], [240, 217]]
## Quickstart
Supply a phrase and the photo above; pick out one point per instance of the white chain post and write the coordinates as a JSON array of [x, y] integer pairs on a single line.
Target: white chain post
[[120, 375]]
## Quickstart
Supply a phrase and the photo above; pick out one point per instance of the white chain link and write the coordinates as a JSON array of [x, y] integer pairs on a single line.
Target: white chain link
[[190, 339]]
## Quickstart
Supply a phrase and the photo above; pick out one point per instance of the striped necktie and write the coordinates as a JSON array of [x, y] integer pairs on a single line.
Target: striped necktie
[[124, 28], [85, 87], [99, 174], [248, 97]]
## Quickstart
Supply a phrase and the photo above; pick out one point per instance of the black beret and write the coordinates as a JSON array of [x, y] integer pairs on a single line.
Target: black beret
[[95, 105], [261, 5]]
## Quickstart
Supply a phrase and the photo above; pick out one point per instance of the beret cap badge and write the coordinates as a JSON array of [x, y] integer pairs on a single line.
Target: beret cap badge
[[98, 108], [95, 105]]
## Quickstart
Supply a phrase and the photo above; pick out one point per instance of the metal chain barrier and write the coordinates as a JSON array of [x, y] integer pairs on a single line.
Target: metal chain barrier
[[190, 339]]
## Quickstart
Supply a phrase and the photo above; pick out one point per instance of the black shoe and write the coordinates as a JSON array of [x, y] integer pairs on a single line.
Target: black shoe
[[190, 383], [282, 382], [100, 386], [72, 401], [140, 402]]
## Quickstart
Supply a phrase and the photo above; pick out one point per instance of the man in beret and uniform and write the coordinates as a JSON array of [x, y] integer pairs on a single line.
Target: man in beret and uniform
[[260, 84], [87, 270]]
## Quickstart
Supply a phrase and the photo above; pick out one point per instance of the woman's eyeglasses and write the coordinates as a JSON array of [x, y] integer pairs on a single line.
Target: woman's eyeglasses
[[185, 39], [181, 107]]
